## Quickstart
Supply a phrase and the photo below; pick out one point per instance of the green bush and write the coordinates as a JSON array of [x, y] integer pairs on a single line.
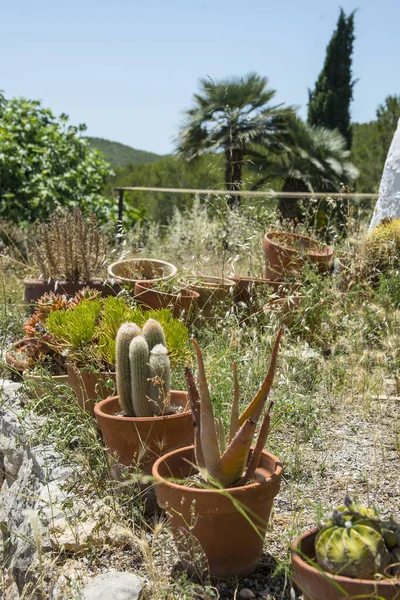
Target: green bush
[[46, 164]]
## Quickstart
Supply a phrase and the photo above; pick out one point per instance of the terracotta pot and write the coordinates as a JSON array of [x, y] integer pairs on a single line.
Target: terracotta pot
[[31, 346], [184, 301], [90, 386], [286, 252], [139, 269], [212, 291], [39, 386], [129, 439], [317, 584], [35, 288], [230, 543]]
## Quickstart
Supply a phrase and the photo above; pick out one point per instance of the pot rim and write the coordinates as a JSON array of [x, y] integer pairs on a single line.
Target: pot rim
[[147, 285], [29, 376], [327, 254], [71, 366], [211, 281], [118, 419], [272, 282], [97, 280], [313, 571], [156, 261], [233, 490]]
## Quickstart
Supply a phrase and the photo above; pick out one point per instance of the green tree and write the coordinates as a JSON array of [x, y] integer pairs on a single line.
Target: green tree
[[329, 102], [232, 115], [371, 143], [46, 164]]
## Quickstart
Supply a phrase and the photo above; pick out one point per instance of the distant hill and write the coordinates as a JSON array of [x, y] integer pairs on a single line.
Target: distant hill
[[120, 155]]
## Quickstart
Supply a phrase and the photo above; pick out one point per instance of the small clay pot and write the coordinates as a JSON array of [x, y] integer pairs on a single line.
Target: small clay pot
[[229, 541], [132, 439], [39, 386], [286, 253], [317, 584], [184, 301], [35, 288], [90, 386], [212, 291], [141, 269]]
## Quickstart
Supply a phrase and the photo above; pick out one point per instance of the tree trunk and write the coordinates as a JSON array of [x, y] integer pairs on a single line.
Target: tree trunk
[[233, 174], [289, 208]]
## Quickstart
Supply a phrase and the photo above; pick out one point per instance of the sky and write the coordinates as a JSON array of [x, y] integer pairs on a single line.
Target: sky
[[129, 68]]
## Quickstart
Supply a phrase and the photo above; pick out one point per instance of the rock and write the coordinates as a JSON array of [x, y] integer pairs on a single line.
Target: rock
[[246, 594], [70, 578], [114, 584]]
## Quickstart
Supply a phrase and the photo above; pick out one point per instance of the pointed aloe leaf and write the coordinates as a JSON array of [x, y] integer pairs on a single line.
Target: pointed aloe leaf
[[233, 462], [261, 441], [194, 401], [234, 424], [221, 435], [254, 410], [208, 433]]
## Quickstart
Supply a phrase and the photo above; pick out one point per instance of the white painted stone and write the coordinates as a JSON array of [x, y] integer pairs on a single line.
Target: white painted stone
[[388, 204]]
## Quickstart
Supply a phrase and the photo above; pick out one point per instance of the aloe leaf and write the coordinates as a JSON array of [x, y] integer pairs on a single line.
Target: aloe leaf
[[233, 462], [254, 410], [221, 435], [194, 401], [208, 433], [234, 424], [257, 452]]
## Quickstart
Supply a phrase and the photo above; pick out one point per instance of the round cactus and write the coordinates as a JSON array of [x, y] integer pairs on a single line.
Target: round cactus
[[125, 335], [352, 544]]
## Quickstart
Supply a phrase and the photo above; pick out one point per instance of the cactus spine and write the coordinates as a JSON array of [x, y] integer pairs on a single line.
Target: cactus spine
[[126, 333], [143, 369]]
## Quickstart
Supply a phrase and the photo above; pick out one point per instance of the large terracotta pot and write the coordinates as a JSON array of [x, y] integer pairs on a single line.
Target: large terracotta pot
[[317, 584], [140, 269], [212, 291], [90, 386], [35, 288], [185, 301], [230, 543], [286, 252], [141, 440]]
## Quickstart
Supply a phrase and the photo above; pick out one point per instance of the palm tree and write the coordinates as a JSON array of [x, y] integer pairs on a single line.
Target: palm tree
[[316, 159], [232, 115]]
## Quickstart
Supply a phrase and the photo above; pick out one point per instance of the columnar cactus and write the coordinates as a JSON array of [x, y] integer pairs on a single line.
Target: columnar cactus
[[143, 369]]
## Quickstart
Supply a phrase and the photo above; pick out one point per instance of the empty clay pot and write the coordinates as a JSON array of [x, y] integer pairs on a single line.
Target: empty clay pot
[[286, 252], [317, 584], [212, 291], [230, 543], [184, 301], [133, 440], [141, 269]]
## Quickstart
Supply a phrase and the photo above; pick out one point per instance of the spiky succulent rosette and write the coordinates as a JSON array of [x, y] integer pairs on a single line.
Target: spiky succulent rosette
[[353, 543]]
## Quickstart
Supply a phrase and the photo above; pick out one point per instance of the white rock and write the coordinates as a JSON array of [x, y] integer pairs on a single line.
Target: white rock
[[114, 585]]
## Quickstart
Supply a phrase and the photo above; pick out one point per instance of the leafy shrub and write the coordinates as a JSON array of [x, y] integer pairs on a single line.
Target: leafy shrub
[[46, 164]]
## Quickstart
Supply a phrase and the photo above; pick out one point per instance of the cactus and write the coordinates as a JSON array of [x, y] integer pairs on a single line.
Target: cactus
[[226, 466], [143, 369], [126, 333], [356, 543], [382, 245]]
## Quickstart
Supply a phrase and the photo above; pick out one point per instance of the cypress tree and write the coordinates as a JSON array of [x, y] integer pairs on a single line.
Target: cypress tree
[[329, 102]]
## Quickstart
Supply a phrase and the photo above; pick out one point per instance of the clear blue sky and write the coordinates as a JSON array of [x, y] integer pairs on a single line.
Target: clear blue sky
[[128, 68]]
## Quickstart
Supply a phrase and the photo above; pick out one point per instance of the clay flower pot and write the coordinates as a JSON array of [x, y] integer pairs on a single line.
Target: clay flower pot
[[141, 440], [286, 253], [35, 288], [39, 386], [90, 386], [182, 301], [317, 584], [212, 291], [141, 269], [230, 543]]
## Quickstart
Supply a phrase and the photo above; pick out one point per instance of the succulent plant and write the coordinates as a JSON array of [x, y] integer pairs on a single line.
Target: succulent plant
[[356, 543], [382, 246], [143, 369], [225, 464]]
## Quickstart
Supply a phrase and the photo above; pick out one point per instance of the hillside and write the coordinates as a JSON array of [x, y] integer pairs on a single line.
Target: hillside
[[121, 155]]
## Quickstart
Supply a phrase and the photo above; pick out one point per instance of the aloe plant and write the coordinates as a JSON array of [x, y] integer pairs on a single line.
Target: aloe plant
[[226, 464]]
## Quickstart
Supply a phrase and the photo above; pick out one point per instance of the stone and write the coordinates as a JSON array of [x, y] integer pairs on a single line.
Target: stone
[[114, 584], [246, 594], [388, 204], [68, 581]]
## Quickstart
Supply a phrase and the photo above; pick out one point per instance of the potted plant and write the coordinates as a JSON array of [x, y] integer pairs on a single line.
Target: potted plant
[[212, 292], [354, 555], [286, 253], [146, 418], [166, 295], [219, 496], [130, 270], [69, 254]]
